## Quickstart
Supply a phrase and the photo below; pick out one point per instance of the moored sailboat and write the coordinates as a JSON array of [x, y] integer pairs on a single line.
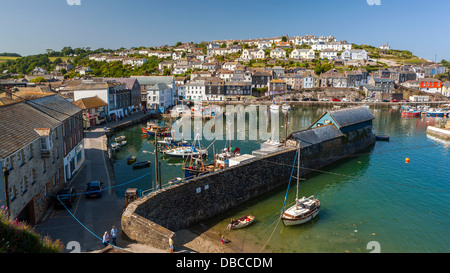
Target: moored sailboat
[[304, 210]]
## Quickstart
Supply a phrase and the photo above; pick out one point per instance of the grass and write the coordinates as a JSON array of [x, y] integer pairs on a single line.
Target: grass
[[7, 58], [52, 59]]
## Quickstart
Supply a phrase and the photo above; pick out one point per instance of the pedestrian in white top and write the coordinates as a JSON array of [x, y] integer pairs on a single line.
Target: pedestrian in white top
[[106, 238]]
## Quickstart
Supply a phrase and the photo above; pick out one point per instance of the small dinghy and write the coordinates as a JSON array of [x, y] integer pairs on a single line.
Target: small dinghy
[[119, 139], [241, 222], [114, 146], [131, 159], [142, 164], [382, 138], [123, 143]]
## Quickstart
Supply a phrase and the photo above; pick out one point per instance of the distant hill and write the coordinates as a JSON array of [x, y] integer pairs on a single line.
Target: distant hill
[[5, 54]]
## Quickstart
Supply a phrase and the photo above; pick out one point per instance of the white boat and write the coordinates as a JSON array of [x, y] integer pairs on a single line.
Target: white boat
[[184, 152], [119, 139], [114, 146], [274, 107], [304, 210], [285, 107], [122, 143]]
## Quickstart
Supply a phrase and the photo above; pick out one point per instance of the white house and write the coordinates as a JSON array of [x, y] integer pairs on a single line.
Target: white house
[[251, 54], [195, 90], [134, 61], [264, 44], [355, 54], [385, 47], [115, 94], [230, 65], [160, 95], [307, 54], [338, 46], [177, 55], [278, 53], [330, 54]]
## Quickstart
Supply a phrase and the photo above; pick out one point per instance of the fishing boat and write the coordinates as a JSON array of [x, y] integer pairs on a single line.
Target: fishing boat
[[242, 222], [196, 167], [304, 209], [286, 107], [222, 159], [411, 113], [437, 113], [114, 146], [142, 164], [156, 130], [131, 159]]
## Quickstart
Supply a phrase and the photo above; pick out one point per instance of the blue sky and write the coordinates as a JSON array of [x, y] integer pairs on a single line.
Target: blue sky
[[32, 26]]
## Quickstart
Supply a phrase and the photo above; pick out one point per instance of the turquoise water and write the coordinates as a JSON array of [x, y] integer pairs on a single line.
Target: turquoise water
[[372, 196]]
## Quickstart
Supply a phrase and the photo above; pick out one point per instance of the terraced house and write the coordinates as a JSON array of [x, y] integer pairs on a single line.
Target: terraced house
[[34, 147]]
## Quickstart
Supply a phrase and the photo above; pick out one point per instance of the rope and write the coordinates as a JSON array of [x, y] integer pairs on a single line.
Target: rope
[[101, 239]]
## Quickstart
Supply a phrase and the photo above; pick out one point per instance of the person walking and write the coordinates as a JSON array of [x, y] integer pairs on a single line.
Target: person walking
[[114, 235], [171, 244], [106, 239]]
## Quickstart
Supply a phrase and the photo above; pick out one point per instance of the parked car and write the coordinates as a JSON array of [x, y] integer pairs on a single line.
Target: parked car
[[64, 198], [345, 99], [394, 100], [335, 99], [313, 99], [94, 189], [294, 99], [356, 100], [305, 99]]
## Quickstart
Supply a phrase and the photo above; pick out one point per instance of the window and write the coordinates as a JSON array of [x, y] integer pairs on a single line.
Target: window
[[24, 184], [33, 176], [44, 145], [20, 155]]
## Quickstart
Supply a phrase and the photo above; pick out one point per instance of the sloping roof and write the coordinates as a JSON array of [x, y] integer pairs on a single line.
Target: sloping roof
[[89, 103], [316, 135], [350, 116], [158, 86], [55, 106], [91, 86], [18, 122], [129, 82], [152, 80]]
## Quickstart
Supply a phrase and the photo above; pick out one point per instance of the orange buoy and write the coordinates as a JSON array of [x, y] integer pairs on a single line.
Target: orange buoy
[[407, 160]]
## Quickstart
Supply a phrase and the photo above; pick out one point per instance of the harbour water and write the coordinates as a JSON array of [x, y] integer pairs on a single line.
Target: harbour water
[[371, 201]]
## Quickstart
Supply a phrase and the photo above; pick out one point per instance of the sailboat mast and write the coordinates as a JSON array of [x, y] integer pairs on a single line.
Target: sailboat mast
[[298, 174]]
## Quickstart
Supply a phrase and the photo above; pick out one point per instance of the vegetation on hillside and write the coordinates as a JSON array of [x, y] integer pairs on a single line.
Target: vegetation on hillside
[[18, 237]]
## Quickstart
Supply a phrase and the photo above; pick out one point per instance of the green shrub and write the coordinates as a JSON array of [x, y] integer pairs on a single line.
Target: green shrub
[[19, 237]]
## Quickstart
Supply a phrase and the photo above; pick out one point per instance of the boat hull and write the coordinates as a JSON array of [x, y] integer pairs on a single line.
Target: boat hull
[[301, 220]]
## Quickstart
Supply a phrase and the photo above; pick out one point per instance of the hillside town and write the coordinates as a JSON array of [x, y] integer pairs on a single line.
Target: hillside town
[[47, 110]]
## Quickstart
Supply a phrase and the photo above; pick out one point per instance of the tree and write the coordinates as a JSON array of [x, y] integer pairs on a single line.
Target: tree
[[284, 39], [39, 79]]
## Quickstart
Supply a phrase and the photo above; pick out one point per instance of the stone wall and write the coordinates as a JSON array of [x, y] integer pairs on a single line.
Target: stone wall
[[152, 218]]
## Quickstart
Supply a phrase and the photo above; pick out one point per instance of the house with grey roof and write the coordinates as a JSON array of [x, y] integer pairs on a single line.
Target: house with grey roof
[[32, 155], [71, 117], [160, 91]]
